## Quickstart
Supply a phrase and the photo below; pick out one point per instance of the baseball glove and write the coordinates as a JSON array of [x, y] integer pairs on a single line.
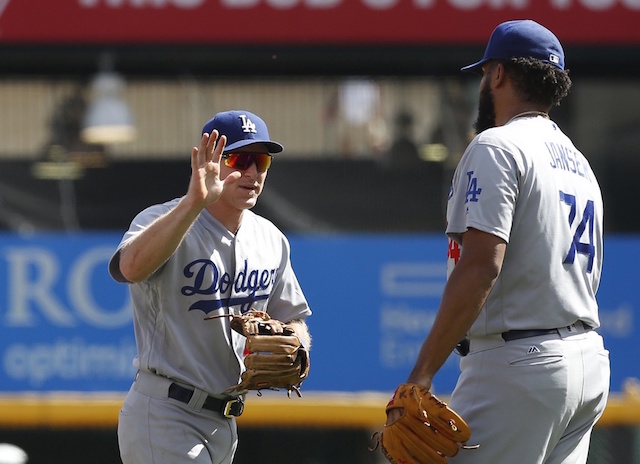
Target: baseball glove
[[427, 432], [275, 356]]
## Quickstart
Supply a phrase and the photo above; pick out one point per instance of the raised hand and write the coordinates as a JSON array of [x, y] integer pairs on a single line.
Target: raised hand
[[206, 186]]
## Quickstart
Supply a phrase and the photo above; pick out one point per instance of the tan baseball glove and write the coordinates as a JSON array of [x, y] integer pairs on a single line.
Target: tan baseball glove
[[427, 432], [275, 356]]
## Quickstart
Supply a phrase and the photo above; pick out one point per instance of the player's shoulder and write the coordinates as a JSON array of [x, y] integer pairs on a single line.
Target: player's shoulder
[[508, 142], [152, 212], [261, 223], [499, 137], [269, 234], [487, 144], [521, 133], [166, 206]]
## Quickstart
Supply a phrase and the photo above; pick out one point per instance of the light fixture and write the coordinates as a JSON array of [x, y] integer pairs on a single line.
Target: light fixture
[[108, 119]]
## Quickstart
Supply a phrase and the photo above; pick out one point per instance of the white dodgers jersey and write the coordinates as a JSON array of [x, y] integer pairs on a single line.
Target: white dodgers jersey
[[526, 183], [212, 272]]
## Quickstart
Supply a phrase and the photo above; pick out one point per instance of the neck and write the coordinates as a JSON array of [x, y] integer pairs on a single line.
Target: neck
[[528, 114], [509, 105]]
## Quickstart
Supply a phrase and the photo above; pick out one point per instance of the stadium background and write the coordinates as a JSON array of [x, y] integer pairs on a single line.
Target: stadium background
[[367, 98]]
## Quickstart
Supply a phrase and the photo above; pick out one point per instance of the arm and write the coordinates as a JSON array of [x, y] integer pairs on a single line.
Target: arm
[[144, 254], [301, 329], [405, 439], [464, 295]]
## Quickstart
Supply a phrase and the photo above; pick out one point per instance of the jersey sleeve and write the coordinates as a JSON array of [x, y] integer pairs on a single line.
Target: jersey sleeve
[[484, 192], [139, 223]]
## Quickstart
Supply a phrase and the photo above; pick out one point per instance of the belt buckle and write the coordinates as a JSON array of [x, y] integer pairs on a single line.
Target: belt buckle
[[233, 408]]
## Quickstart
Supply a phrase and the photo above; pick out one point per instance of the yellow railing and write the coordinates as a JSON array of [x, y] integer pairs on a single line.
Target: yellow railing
[[314, 409]]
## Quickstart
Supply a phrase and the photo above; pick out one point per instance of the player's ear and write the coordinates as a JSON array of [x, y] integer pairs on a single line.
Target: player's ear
[[498, 75]]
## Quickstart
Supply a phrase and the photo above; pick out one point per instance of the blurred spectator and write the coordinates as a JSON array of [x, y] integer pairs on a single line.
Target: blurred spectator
[[403, 152]]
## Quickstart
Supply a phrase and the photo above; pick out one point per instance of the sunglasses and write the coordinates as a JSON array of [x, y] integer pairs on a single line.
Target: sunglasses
[[245, 160]]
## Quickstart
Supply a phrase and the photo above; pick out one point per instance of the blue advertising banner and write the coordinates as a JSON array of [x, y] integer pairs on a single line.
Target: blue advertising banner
[[66, 326]]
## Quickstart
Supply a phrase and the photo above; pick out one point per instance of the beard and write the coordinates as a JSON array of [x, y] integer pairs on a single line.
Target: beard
[[486, 110]]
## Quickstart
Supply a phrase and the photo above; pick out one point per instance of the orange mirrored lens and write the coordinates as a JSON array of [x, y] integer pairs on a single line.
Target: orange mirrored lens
[[245, 160]]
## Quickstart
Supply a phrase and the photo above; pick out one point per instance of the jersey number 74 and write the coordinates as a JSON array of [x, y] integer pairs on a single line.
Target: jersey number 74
[[586, 221]]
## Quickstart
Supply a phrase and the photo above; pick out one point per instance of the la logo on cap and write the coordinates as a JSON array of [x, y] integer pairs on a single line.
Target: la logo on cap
[[247, 124], [242, 128]]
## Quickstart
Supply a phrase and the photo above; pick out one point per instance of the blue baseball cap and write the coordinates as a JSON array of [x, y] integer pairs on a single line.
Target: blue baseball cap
[[521, 39], [242, 128]]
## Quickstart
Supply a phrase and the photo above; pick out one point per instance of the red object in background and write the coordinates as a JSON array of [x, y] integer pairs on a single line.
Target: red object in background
[[310, 22]]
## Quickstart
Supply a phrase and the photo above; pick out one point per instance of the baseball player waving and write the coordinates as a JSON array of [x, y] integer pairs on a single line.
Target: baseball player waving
[[190, 259]]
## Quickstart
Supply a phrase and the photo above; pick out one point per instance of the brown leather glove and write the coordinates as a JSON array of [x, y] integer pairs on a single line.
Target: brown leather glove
[[427, 432], [275, 357]]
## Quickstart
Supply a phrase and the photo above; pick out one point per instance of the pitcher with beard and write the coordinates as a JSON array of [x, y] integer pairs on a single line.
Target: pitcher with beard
[[525, 229]]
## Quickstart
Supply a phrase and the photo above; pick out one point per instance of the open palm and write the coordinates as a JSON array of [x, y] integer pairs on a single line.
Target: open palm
[[206, 186]]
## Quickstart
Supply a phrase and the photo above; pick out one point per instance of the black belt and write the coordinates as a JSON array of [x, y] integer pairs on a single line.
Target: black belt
[[227, 408], [518, 334]]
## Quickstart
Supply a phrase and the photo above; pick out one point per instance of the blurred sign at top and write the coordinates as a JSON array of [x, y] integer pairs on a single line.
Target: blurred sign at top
[[307, 22]]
